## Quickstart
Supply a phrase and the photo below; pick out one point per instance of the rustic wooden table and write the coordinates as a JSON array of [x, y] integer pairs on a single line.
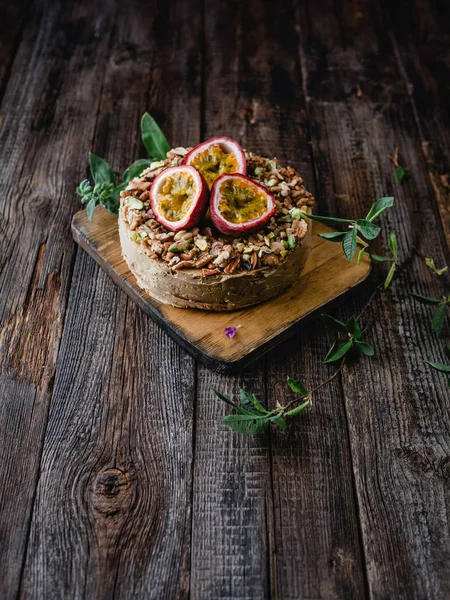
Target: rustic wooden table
[[119, 478]]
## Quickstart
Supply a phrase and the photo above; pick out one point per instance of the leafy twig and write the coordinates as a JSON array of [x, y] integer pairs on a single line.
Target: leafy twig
[[105, 191], [400, 171], [356, 229], [440, 305]]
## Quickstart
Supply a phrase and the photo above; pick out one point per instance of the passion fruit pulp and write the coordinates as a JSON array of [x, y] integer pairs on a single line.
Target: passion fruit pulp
[[217, 156], [240, 205], [179, 197]]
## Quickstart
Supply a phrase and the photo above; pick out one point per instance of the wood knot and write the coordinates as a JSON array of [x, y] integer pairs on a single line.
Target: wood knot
[[112, 492]]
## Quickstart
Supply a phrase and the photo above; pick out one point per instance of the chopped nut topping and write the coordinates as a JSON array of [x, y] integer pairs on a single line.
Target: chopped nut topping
[[203, 245]]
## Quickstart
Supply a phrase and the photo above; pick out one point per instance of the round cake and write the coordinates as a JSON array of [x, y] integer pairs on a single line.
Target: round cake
[[201, 267]]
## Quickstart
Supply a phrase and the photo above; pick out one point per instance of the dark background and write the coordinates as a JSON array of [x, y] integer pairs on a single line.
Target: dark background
[[118, 477]]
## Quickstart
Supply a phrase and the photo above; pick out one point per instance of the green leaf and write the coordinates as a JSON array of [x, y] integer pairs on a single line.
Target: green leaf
[[447, 351], [251, 403], [335, 236], [153, 138], [390, 276], [228, 401], [349, 243], [325, 219], [135, 170], [400, 172], [353, 327], [338, 350], [379, 207], [380, 259], [430, 263], [360, 255], [365, 348], [246, 424], [297, 386], [297, 409], [279, 420], [90, 208], [438, 319], [291, 242], [425, 299], [333, 324], [438, 366], [100, 170], [368, 229], [392, 243]]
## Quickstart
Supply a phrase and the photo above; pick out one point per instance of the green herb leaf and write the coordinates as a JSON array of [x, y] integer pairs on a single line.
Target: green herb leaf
[[153, 138], [135, 170], [297, 409], [390, 276], [438, 366], [380, 259], [353, 327], [438, 319], [100, 170], [368, 229], [392, 243], [228, 401], [297, 386], [325, 219], [292, 244], [90, 208], [246, 424], [447, 351], [400, 172], [425, 299], [278, 420], [335, 236], [430, 263], [349, 243], [338, 350], [379, 207], [334, 324], [251, 403], [360, 255], [365, 348]]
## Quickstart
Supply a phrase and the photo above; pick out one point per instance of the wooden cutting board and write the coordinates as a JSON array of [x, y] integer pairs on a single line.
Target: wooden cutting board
[[327, 276]]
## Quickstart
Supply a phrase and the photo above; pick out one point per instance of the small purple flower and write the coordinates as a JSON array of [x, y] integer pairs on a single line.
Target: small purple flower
[[230, 332]]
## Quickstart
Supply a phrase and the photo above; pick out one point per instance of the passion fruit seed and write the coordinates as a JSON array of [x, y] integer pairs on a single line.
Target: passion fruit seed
[[241, 202], [213, 161], [176, 196]]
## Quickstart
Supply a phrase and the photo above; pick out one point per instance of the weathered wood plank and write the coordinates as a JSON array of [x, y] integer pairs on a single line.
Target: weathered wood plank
[[421, 40], [53, 88], [232, 529], [396, 408], [254, 63], [317, 541], [114, 496], [12, 21]]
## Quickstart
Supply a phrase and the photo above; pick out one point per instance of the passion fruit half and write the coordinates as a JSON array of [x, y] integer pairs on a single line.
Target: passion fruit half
[[217, 156], [179, 197], [240, 205]]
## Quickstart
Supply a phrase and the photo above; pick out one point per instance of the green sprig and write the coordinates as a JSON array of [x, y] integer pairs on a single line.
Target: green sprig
[[348, 335], [250, 417], [365, 228], [105, 191], [440, 304]]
